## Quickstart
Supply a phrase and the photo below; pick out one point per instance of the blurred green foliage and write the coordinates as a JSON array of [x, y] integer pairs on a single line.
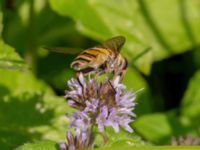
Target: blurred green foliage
[[32, 80], [165, 24]]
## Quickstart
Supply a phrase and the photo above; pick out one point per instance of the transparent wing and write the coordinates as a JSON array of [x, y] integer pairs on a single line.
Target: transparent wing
[[114, 43], [64, 50]]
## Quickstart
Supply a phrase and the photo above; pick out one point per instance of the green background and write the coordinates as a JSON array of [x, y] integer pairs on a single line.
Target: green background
[[162, 48]]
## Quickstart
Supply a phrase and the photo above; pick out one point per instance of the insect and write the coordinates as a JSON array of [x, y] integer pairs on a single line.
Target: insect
[[104, 58]]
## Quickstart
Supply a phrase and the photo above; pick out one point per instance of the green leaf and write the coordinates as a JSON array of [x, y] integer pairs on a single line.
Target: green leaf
[[144, 23], [48, 145], [123, 139], [137, 83], [9, 59], [26, 32], [190, 107], [44, 145], [158, 128], [57, 31], [29, 110], [153, 148]]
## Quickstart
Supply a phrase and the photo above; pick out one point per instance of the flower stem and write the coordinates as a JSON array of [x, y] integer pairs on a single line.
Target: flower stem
[[105, 138]]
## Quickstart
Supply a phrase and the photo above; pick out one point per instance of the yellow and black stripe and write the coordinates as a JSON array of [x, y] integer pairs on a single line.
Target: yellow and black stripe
[[88, 56]]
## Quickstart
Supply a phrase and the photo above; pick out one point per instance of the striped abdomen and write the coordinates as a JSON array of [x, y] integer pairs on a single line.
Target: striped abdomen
[[91, 59]]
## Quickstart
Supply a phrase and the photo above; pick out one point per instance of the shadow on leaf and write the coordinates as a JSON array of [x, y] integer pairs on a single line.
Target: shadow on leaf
[[19, 115]]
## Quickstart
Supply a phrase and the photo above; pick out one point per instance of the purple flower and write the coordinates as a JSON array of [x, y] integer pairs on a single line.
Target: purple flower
[[63, 146], [124, 123], [91, 106], [80, 121], [79, 141], [113, 119], [100, 103], [101, 119]]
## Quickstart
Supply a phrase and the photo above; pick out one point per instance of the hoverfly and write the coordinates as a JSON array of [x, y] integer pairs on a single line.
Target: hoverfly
[[104, 58]]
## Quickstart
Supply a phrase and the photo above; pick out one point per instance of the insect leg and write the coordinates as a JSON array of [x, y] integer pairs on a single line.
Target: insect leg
[[112, 86], [120, 72]]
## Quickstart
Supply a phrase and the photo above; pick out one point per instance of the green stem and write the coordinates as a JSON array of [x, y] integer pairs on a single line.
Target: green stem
[[105, 138], [31, 54]]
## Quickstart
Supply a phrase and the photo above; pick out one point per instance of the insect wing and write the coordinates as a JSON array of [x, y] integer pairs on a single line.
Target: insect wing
[[64, 50], [114, 43]]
